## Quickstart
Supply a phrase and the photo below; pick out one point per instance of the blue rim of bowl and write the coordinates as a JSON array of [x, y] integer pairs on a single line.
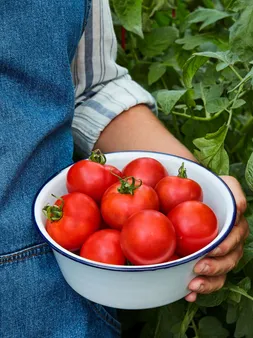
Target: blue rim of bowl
[[139, 268]]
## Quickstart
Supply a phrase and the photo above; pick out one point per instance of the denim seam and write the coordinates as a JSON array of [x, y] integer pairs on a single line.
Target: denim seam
[[107, 318], [27, 253]]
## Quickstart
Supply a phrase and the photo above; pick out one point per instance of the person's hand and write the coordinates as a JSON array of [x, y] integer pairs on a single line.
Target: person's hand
[[213, 268]]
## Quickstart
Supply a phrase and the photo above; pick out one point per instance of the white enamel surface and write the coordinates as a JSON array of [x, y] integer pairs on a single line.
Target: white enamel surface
[[137, 289]]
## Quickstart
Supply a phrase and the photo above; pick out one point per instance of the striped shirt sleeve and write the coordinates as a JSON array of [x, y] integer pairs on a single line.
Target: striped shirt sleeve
[[103, 89]]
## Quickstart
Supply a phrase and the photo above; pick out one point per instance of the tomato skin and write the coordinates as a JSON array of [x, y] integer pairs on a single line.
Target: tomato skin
[[81, 217], [116, 207], [195, 225], [148, 238], [104, 246], [173, 190], [91, 178], [149, 170], [174, 257]]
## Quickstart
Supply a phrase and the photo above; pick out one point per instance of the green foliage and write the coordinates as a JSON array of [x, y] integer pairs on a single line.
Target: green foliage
[[196, 57]]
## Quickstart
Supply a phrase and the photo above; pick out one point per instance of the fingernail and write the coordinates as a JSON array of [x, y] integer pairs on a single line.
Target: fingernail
[[202, 268], [216, 252], [197, 287]]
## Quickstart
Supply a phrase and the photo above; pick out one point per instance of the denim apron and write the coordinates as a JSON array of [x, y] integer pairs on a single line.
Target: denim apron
[[38, 39]]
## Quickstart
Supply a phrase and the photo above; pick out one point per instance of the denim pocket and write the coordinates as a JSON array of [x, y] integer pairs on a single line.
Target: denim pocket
[[39, 303]]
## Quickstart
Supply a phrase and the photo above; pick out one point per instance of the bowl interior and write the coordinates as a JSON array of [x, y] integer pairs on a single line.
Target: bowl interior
[[216, 195]]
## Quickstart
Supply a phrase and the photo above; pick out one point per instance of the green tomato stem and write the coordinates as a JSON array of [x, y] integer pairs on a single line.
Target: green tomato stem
[[97, 156], [54, 212], [182, 171]]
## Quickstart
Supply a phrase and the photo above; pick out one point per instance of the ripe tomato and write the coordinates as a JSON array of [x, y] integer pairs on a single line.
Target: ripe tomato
[[72, 219], [195, 225], [173, 190], [123, 199], [92, 176], [148, 237], [149, 170], [104, 246], [173, 258]]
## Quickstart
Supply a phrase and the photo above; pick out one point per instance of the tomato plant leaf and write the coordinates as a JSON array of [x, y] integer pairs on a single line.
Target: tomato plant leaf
[[212, 299], [168, 98], [244, 327], [211, 151], [129, 13], [157, 41], [249, 172], [191, 67], [232, 313], [241, 33], [215, 105], [156, 71], [207, 16], [190, 42], [210, 327]]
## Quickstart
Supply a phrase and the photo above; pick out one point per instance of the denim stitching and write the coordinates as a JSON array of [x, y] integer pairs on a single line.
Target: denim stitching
[[107, 318], [21, 255]]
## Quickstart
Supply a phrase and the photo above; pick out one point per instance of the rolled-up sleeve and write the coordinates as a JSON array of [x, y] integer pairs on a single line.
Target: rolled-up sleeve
[[103, 89]]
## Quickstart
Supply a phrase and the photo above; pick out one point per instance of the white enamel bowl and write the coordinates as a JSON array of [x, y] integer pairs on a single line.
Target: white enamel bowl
[[138, 287]]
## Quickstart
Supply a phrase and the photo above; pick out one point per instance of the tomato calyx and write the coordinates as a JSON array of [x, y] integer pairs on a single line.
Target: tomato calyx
[[54, 212], [97, 156], [126, 186], [182, 171]]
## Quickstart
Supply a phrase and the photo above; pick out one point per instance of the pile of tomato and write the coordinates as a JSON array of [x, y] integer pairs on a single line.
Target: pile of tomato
[[141, 215]]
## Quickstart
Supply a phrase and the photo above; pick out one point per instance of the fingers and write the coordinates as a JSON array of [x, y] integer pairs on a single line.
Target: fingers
[[236, 237], [219, 265], [238, 193], [205, 285]]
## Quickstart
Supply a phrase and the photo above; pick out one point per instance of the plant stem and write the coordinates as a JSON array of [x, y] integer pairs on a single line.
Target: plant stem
[[175, 124], [194, 326], [164, 83], [236, 73]]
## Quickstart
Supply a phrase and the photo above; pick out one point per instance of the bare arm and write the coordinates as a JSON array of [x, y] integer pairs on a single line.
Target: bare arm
[[139, 129]]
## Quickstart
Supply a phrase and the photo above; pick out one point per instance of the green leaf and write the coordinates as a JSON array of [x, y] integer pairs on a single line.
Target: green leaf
[[190, 42], [227, 57], [244, 327], [207, 16], [249, 172], [129, 13], [210, 327], [232, 313], [156, 71], [168, 98], [213, 299], [241, 34], [191, 67], [157, 41], [212, 153], [238, 103], [239, 290], [247, 257], [215, 105]]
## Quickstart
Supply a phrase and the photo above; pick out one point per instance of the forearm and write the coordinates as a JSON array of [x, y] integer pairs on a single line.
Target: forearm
[[139, 129]]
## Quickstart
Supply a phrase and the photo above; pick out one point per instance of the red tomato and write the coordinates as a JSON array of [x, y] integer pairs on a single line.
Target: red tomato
[[173, 190], [195, 225], [104, 246], [123, 199], [149, 170], [72, 219], [91, 177], [148, 238], [173, 258]]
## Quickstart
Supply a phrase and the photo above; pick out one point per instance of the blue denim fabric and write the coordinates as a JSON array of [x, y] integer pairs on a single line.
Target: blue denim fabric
[[38, 39]]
